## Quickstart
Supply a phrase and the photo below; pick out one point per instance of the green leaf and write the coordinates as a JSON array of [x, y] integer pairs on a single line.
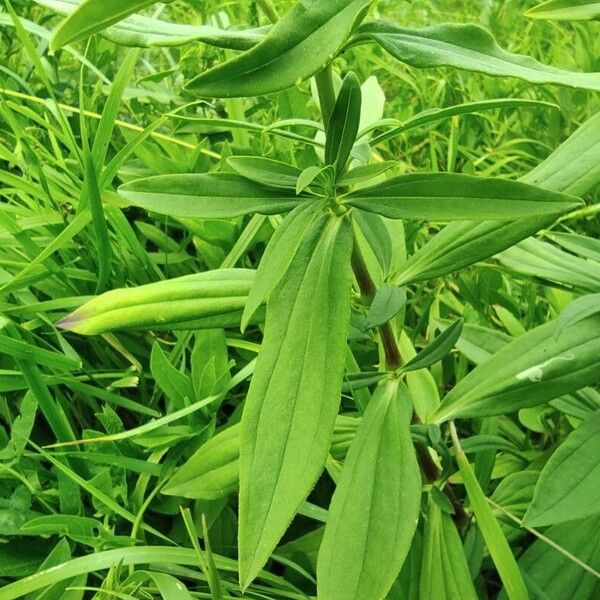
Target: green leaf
[[569, 484], [576, 311], [444, 569], [530, 370], [435, 351], [207, 196], [92, 17], [387, 303], [278, 256], [364, 173], [146, 32], [301, 43], [290, 410], [573, 168], [490, 529], [570, 10], [343, 123], [451, 196], [468, 47], [375, 507], [200, 301], [267, 171]]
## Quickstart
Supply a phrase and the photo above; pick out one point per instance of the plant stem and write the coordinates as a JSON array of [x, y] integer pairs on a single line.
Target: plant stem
[[326, 91], [269, 9]]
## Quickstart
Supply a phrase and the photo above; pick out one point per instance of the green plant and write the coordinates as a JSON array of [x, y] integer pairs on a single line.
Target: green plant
[[337, 385]]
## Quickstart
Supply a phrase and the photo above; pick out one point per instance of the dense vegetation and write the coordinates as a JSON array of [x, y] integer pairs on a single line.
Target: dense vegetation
[[299, 299]]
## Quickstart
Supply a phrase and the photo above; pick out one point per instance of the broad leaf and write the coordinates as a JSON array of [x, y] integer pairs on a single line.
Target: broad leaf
[[298, 46], [267, 171], [468, 47], [207, 196], [293, 400], [569, 10], [496, 543], [375, 507], [569, 484], [91, 17], [444, 569], [530, 370], [278, 255], [343, 124], [145, 32], [451, 196]]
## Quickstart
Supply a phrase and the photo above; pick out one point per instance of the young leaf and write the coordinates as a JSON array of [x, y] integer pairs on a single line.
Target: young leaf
[[568, 10], [388, 302], [207, 196], [440, 346], [146, 32], [278, 256], [444, 569], [528, 371], [451, 197], [375, 507], [294, 396], [498, 547], [364, 173], [91, 17], [297, 46], [468, 47], [267, 171], [569, 484], [343, 124]]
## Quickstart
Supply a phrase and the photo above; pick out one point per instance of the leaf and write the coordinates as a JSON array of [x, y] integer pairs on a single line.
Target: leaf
[[343, 124], [569, 484], [207, 196], [490, 529], [364, 173], [294, 396], [576, 311], [176, 385], [278, 256], [468, 47], [435, 351], [573, 168], [91, 17], [570, 10], [451, 196], [387, 303], [550, 574], [301, 43], [530, 370], [444, 569], [267, 171], [375, 507]]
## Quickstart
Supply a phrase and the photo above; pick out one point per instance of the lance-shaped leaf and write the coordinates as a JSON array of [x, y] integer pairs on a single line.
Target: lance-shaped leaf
[[375, 507], [200, 301], [444, 569], [530, 370], [278, 255], [307, 38], [573, 168], [267, 171], [387, 303], [451, 197], [569, 484], [468, 47], [568, 10], [498, 547], [293, 400], [91, 17], [145, 32], [343, 124], [438, 348], [576, 311], [207, 196]]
